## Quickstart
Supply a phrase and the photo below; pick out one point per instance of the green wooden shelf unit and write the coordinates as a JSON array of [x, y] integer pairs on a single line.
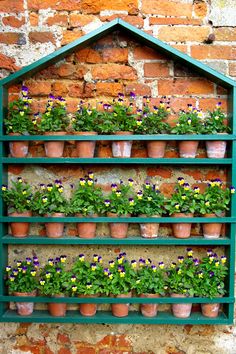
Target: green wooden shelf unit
[[228, 242]]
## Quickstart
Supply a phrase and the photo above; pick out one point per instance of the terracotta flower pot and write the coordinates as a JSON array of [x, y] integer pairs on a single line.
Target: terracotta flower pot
[[211, 230], [20, 229], [210, 310], [182, 230], [149, 230], [54, 148], [86, 229], [181, 310], [120, 310], [18, 148], [118, 229], [149, 310], [57, 309], [87, 310], [85, 148], [156, 149], [188, 149], [216, 149], [122, 148], [25, 308], [54, 229]]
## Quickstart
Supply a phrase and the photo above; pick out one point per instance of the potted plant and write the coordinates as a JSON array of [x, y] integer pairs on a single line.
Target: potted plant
[[86, 201], [84, 123], [150, 282], [19, 122], [182, 203], [54, 121], [19, 200], [180, 282], [21, 280], [50, 202], [215, 123], [119, 203], [119, 281], [149, 202], [124, 124], [54, 282], [189, 122], [213, 203], [210, 281], [153, 122], [89, 276]]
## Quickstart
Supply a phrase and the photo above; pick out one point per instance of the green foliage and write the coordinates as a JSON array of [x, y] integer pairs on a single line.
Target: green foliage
[[120, 200], [49, 199], [105, 120], [149, 201], [55, 118], [214, 123], [85, 119], [189, 122], [123, 119], [19, 197], [22, 276], [87, 199]]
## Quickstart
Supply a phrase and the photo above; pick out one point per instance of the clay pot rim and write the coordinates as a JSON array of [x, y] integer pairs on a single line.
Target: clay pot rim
[[79, 215], [183, 215], [149, 216], [55, 133], [30, 293], [55, 215], [85, 133], [17, 213], [114, 215], [123, 132]]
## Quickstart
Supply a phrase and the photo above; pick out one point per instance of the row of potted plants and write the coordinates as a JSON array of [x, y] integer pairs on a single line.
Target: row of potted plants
[[88, 200], [121, 117], [188, 277]]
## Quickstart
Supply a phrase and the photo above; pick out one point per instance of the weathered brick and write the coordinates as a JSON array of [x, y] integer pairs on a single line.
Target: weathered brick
[[80, 20], [196, 174], [63, 5], [167, 8], [213, 52], [121, 341], [133, 20], [113, 71], [200, 9], [39, 88], [185, 87], [156, 70], [63, 338], [115, 55], [183, 33], [13, 21], [66, 70], [232, 69], [34, 19], [10, 37], [94, 7], [210, 103], [70, 36], [88, 55], [109, 88], [7, 63], [41, 37], [159, 171], [12, 6], [225, 34], [173, 21], [139, 89], [167, 188], [75, 89], [142, 53], [57, 19], [86, 350], [64, 350]]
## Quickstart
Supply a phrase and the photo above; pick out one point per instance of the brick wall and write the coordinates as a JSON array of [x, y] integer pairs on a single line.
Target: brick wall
[[31, 29]]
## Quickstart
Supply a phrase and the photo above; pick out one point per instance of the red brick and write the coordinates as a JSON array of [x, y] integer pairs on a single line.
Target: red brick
[[80, 20], [173, 21], [13, 21], [41, 37], [31, 348], [113, 71], [185, 87], [72, 232], [58, 19], [167, 188], [66, 70], [47, 351], [167, 8], [133, 20], [10, 38], [94, 7], [115, 55], [109, 88], [15, 169], [39, 88], [216, 174], [88, 55], [105, 342], [213, 52], [63, 5], [34, 19], [12, 6], [139, 89], [64, 350], [210, 103], [142, 53], [63, 338], [156, 70], [183, 33], [159, 171], [183, 48], [121, 341], [70, 36], [232, 69], [86, 350], [7, 63], [225, 34], [196, 174], [59, 88], [75, 89], [200, 9]]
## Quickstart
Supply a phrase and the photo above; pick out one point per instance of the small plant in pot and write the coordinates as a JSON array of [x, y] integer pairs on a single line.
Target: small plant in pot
[[53, 282], [124, 124], [182, 203], [19, 122], [119, 203], [119, 281], [54, 121], [153, 121], [150, 282], [213, 203], [180, 282], [84, 123], [89, 276], [19, 200], [50, 202], [21, 280], [86, 201], [149, 202], [214, 123], [210, 281], [189, 122]]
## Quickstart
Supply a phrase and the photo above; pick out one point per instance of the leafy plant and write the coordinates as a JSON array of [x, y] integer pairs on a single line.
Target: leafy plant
[[19, 197], [49, 199], [22, 276], [120, 200], [123, 118], [19, 119], [153, 121], [87, 198], [55, 117], [149, 201], [85, 119], [214, 122], [189, 122], [104, 123]]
